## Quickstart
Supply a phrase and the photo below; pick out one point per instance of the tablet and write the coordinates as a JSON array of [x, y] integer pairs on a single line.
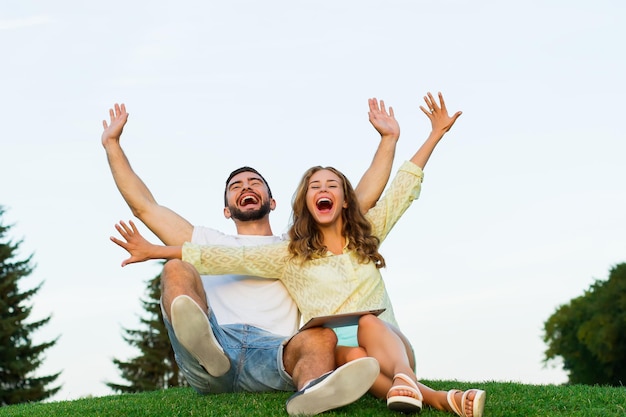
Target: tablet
[[339, 320]]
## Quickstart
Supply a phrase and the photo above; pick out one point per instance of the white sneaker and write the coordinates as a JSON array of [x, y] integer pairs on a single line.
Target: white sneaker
[[193, 331], [335, 389]]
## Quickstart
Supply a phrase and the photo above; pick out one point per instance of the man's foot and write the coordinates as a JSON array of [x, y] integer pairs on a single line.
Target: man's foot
[[471, 403], [335, 389], [193, 331]]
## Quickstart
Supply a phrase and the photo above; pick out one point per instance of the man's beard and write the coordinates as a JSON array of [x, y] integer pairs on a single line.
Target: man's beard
[[252, 215]]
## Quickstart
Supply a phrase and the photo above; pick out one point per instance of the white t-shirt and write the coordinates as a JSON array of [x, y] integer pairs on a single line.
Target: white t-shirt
[[244, 299]]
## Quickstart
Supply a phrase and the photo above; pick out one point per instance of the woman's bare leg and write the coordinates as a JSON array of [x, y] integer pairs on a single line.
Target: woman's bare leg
[[383, 343], [392, 349]]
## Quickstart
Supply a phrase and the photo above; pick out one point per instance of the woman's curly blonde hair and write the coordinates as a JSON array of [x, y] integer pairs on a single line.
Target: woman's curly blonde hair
[[306, 240]]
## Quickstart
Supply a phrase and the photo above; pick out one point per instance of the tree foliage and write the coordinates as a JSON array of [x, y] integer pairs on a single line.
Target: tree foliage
[[19, 357], [589, 333], [155, 368]]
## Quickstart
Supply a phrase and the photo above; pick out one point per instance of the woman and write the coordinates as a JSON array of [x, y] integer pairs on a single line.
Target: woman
[[331, 265]]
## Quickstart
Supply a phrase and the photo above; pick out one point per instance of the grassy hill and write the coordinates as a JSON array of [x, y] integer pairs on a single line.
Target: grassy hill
[[503, 400]]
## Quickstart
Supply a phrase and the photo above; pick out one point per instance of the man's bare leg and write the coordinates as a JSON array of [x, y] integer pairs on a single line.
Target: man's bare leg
[[181, 278], [309, 359], [310, 354], [186, 307]]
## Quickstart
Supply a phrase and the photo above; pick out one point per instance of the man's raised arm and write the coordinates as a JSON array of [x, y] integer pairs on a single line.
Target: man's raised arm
[[167, 225], [374, 180]]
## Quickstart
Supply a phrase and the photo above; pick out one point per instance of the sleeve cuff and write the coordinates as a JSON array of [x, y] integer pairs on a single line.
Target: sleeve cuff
[[411, 168], [191, 253]]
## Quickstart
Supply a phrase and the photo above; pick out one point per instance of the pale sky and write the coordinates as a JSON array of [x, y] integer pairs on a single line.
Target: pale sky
[[523, 204]]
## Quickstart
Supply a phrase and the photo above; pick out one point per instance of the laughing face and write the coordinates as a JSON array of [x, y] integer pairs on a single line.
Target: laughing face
[[325, 197], [248, 197]]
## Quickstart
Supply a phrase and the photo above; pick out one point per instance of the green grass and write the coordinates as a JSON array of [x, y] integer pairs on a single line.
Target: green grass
[[503, 400]]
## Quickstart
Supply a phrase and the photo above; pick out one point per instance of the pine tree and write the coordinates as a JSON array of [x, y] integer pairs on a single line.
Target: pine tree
[[19, 357], [156, 367]]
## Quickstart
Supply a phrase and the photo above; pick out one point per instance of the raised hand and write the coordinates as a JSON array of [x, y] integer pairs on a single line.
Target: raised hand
[[113, 131], [441, 123], [438, 113], [384, 122], [136, 245]]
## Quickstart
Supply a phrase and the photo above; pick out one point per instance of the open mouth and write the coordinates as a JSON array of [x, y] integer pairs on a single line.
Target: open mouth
[[324, 204], [248, 199]]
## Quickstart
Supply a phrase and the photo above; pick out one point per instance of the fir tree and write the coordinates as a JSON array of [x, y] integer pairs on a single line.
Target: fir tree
[[156, 367], [19, 357]]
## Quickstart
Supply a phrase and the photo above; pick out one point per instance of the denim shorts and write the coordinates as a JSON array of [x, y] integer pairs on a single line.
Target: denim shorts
[[256, 360]]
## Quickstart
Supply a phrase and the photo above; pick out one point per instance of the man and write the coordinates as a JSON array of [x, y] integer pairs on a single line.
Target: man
[[216, 322]]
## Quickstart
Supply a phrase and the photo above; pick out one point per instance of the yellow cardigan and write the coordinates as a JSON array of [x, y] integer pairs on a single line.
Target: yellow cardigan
[[330, 285]]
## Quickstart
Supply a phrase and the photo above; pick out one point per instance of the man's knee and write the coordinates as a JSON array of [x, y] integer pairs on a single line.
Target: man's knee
[[174, 266], [317, 340], [176, 270], [320, 337], [311, 349], [181, 278]]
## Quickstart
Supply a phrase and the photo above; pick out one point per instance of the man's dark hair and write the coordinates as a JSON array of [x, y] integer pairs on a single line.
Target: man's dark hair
[[239, 171]]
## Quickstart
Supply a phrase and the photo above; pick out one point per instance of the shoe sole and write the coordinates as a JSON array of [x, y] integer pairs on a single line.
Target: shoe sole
[[404, 404], [478, 404], [344, 386], [193, 331]]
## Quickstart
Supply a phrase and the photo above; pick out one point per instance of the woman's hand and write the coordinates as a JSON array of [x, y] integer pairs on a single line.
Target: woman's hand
[[136, 245], [438, 114], [384, 122]]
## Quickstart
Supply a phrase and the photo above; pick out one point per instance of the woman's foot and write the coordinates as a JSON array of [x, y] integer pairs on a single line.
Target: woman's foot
[[470, 403], [404, 397]]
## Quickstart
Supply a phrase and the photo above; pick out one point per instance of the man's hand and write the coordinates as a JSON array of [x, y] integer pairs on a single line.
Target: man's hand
[[113, 131], [384, 122]]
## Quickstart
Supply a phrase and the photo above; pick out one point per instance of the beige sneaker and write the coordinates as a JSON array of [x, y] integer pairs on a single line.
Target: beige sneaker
[[193, 331], [335, 389]]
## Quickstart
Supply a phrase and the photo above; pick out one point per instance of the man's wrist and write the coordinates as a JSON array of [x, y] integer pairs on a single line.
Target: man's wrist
[[111, 143], [389, 138]]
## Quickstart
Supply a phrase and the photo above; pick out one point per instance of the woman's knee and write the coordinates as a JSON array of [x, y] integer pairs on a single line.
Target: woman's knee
[[355, 353], [371, 322]]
